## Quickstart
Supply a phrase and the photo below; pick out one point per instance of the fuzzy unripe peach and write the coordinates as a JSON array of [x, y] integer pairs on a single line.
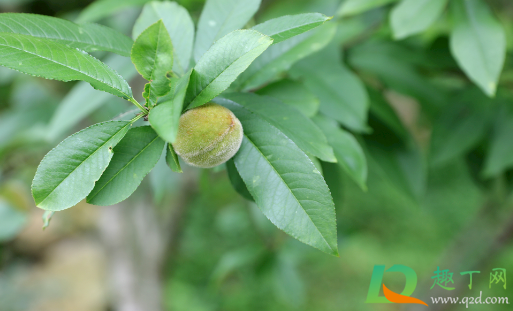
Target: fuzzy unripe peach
[[208, 136]]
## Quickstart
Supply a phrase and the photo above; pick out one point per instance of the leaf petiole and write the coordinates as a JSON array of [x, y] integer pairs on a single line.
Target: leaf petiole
[[133, 101], [137, 117]]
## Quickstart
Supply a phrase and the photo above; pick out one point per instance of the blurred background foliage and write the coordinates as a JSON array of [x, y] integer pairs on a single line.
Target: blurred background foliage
[[439, 184]]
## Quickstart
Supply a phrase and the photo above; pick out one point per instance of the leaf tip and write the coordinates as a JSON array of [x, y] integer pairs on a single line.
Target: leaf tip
[[491, 89], [335, 253], [363, 186], [398, 35]]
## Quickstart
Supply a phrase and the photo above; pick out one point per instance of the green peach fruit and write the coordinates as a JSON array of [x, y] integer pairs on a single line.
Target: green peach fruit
[[208, 136]]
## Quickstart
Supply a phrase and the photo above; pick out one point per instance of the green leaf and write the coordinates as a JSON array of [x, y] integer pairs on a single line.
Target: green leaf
[[69, 171], [348, 151], [316, 162], [403, 168], [286, 27], [294, 94], [459, 128], [285, 184], [82, 100], [353, 7], [220, 17], [165, 116], [223, 63], [500, 153], [103, 8], [380, 107], [350, 29], [276, 9], [393, 65], [152, 55], [87, 37], [172, 159], [52, 60], [134, 157], [478, 43], [300, 129], [149, 94], [280, 57], [413, 16], [343, 96], [179, 25], [236, 181]]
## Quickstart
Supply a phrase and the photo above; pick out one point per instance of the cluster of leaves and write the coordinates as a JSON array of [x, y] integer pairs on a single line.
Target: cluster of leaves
[[477, 39], [434, 40], [284, 80], [106, 162]]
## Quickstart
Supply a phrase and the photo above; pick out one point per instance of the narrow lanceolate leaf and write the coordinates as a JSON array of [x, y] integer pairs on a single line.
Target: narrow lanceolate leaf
[[165, 116], [286, 27], [87, 37], [223, 63], [478, 43], [152, 55], [285, 184], [343, 96], [134, 157], [280, 57], [300, 129], [236, 181], [53, 60], [220, 17], [293, 93], [179, 25], [349, 153], [352, 7], [68, 172], [103, 8], [172, 159], [413, 16]]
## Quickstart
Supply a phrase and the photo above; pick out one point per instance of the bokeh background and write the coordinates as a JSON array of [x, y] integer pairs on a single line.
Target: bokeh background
[[439, 156]]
